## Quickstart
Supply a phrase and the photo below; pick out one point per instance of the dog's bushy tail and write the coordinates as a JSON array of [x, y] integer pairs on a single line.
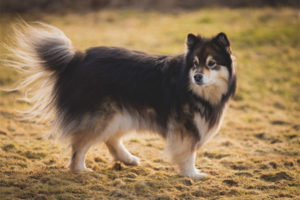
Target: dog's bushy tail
[[40, 52]]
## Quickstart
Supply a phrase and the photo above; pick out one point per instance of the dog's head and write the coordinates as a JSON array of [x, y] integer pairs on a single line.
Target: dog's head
[[210, 67]]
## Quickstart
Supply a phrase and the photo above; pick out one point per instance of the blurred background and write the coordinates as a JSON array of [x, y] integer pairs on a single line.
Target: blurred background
[[87, 5], [256, 153]]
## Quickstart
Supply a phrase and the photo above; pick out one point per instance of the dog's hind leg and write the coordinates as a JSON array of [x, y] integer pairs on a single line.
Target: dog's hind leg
[[119, 152], [80, 145]]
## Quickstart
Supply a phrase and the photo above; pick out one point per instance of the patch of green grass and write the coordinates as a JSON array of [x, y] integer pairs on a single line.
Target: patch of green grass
[[205, 20], [284, 35]]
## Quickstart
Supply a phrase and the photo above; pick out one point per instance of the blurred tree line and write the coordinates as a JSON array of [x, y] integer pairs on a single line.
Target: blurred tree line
[[7, 6]]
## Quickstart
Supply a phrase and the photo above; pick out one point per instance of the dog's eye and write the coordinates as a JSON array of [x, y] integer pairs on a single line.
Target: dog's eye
[[211, 63], [196, 64]]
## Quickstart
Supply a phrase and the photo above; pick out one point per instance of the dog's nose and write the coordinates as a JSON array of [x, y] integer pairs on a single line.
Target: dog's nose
[[198, 77]]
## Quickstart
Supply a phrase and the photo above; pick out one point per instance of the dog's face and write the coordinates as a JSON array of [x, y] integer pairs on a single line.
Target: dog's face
[[210, 66]]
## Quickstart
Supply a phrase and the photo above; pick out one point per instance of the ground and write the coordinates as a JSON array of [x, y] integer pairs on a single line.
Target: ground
[[254, 156]]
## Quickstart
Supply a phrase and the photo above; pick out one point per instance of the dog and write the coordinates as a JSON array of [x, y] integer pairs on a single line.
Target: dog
[[104, 93]]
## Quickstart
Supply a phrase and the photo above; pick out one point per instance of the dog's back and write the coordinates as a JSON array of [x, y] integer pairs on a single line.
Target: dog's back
[[129, 78]]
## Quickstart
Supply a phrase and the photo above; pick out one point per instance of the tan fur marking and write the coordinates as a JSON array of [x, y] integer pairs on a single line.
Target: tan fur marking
[[206, 71]]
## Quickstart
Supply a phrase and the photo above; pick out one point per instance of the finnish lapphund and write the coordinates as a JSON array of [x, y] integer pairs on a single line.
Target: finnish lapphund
[[103, 93]]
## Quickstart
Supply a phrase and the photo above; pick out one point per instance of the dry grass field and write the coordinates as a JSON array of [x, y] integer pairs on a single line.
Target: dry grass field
[[255, 156]]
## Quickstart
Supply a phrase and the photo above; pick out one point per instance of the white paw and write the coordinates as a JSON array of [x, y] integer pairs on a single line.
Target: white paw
[[80, 169], [194, 174], [132, 160], [199, 176]]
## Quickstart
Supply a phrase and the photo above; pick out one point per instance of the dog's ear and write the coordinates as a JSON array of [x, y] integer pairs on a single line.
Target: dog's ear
[[222, 40], [191, 40]]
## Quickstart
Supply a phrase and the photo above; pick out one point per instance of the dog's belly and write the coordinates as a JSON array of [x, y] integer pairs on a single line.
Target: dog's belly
[[124, 122]]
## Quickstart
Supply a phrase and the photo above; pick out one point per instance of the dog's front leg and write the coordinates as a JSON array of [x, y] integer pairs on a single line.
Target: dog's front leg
[[186, 163], [184, 155]]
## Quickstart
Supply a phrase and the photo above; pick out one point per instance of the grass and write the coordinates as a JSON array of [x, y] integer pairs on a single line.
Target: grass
[[255, 155]]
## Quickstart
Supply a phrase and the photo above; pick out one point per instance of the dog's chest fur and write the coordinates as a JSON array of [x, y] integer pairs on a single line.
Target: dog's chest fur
[[205, 131], [207, 120]]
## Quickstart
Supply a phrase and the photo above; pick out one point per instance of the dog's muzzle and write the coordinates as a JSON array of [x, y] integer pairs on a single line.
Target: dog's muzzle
[[198, 78]]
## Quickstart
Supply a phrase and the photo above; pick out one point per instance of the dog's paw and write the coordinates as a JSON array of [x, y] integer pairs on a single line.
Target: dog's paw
[[195, 174], [87, 170], [132, 160], [78, 170], [199, 176]]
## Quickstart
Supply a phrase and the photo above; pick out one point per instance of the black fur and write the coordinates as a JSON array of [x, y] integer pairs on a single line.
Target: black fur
[[134, 81], [54, 57]]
